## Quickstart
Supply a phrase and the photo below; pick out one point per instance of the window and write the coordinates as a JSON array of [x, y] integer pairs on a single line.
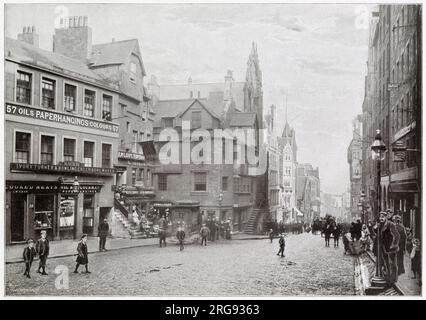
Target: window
[[46, 149], [133, 177], [43, 211], [22, 147], [141, 174], [168, 122], [128, 126], [106, 155], [67, 211], [135, 141], [287, 171], [132, 71], [162, 182], [195, 119], [224, 183], [200, 181], [287, 156], [70, 97], [89, 103], [69, 149], [48, 93], [148, 177], [106, 108], [89, 148], [23, 87]]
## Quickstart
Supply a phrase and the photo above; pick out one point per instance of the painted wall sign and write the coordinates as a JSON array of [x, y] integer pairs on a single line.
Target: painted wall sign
[[122, 155], [48, 187], [53, 116], [49, 168]]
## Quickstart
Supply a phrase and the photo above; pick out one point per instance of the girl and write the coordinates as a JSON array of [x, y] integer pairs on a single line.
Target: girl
[[82, 254]]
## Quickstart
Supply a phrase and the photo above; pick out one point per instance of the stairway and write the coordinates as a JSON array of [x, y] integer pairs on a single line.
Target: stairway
[[131, 229], [251, 225]]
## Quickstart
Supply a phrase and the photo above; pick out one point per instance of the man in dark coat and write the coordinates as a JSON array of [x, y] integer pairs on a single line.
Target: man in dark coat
[[103, 230], [389, 248], [180, 235], [281, 242], [42, 248], [402, 243], [162, 224], [28, 255], [271, 235], [204, 232]]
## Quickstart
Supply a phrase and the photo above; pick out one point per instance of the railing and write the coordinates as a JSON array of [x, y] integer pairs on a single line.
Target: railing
[[120, 207]]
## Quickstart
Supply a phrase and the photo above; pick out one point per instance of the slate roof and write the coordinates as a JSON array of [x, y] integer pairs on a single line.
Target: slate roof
[[171, 108], [26, 53]]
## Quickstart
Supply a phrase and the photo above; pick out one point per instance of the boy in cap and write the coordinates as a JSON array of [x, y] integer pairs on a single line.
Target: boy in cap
[[42, 248], [282, 245], [180, 235], [271, 234], [28, 255], [82, 257]]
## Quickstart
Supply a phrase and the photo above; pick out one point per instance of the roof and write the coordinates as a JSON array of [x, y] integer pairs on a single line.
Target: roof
[[115, 53], [171, 108], [242, 119], [211, 112], [27, 53]]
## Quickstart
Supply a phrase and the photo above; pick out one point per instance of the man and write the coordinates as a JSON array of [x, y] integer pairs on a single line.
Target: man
[[180, 235], [282, 246], [358, 229], [103, 230], [162, 225], [42, 248], [28, 255], [204, 232], [389, 247], [271, 234], [212, 228], [402, 243]]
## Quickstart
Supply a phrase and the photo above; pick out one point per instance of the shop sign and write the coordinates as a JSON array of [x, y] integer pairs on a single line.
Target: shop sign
[[162, 205], [404, 131], [399, 151], [91, 188], [50, 168], [122, 155], [32, 187], [47, 115]]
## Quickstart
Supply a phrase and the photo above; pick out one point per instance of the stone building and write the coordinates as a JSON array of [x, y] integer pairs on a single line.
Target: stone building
[[307, 193], [354, 157]]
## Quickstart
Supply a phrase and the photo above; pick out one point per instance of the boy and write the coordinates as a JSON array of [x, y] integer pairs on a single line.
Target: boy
[[28, 255], [282, 246], [180, 235], [42, 248], [271, 234]]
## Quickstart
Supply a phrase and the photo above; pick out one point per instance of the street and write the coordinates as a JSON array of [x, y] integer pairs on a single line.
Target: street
[[224, 268]]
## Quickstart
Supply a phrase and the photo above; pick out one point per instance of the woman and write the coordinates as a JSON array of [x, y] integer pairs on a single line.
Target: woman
[[82, 254]]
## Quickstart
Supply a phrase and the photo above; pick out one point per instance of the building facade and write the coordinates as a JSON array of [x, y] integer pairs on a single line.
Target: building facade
[[392, 105], [308, 192], [354, 158]]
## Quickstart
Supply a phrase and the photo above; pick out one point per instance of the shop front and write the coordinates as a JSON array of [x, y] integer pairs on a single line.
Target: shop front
[[186, 213], [64, 208]]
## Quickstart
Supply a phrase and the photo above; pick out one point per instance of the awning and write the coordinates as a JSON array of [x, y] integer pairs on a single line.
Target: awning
[[403, 187], [149, 150]]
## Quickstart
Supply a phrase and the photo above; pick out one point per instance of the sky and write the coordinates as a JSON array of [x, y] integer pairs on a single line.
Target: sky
[[312, 57]]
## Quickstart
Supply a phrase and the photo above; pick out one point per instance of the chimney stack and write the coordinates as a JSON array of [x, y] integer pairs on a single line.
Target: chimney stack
[[229, 79], [29, 35], [73, 38]]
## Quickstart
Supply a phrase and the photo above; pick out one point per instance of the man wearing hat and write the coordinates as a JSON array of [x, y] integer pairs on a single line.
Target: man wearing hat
[[103, 230], [402, 243], [389, 247], [42, 248], [28, 255]]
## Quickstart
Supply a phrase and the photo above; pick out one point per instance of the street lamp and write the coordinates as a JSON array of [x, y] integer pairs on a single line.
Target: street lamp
[[377, 150]]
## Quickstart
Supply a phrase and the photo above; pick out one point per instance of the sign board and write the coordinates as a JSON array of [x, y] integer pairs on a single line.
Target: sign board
[[51, 168], [122, 155], [399, 151], [49, 187], [60, 118]]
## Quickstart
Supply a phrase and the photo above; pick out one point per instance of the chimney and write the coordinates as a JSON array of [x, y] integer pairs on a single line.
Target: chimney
[[73, 38], [229, 79], [30, 36]]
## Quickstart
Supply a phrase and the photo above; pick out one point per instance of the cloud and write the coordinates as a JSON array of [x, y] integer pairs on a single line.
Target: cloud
[[289, 23]]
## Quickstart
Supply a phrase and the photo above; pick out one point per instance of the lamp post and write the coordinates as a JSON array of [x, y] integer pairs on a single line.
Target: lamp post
[[377, 150]]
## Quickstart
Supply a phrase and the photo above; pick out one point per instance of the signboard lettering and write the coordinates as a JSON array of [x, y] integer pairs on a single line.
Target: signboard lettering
[[130, 156], [62, 169]]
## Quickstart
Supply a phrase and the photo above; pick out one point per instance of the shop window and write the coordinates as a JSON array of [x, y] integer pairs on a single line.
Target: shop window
[[200, 181], [67, 212], [43, 211], [162, 182], [224, 183], [133, 71], [107, 108], [195, 119], [22, 147], [141, 175], [46, 149], [88, 213], [106, 155], [70, 97], [89, 103], [23, 87], [48, 93], [69, 149], [89, 148]]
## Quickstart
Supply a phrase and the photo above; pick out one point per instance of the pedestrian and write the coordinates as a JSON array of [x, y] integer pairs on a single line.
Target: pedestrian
[[358, 228], [402, 243], [365, 238], [103, 230], [162, 223], [216, 224], [42, 249], [409, 245], [271, 234], [28, 255], [389, 247], [352, 231], [281, 242], [204, 232], [180, 235], [416, 259], [82, 251]]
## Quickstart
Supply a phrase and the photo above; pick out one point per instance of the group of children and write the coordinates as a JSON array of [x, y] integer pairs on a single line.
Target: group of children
[[42, 249]]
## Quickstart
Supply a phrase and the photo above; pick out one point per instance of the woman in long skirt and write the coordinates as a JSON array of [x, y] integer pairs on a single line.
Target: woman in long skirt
[[82, 254]]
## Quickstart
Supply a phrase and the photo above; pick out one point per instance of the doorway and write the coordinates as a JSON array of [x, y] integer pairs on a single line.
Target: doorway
[[17, 221]]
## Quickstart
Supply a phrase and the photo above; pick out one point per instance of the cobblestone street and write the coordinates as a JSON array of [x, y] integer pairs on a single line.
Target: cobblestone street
[[225, 268]]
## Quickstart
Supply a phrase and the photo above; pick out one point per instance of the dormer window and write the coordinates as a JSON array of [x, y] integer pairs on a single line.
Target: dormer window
[[133, 72]]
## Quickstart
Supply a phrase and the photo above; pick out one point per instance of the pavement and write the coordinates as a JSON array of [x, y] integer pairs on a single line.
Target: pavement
[[66, 248], [222, 268], [409, 286]]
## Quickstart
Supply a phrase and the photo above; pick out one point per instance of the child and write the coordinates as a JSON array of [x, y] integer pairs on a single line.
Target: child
[[271, 234], [180, 235], [416, 259], [282, 245], [29, 254], [82, 254]]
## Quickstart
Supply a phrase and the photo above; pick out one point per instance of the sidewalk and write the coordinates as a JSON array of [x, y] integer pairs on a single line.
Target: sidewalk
[[65, 248], [410, 287]]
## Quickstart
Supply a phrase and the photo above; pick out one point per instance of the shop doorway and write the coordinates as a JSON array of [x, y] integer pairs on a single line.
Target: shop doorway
[[104, 213], [17, 221], [88, 214]]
